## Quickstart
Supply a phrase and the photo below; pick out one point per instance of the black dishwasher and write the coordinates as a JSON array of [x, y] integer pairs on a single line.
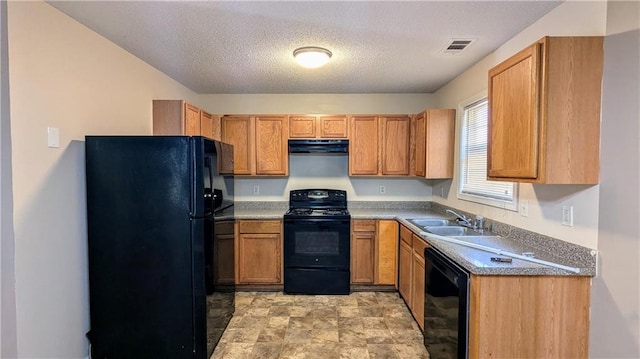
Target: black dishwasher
[[446, 307]]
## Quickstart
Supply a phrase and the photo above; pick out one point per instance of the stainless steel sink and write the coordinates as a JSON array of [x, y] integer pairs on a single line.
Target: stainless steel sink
[[452, 231], [430, 222]]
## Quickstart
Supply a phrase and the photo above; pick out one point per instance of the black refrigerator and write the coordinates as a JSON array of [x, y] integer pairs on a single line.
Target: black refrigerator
[[160, 277]]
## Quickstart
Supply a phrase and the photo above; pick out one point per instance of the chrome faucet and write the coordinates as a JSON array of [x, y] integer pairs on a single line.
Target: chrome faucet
[[477, 224], [461, 218]]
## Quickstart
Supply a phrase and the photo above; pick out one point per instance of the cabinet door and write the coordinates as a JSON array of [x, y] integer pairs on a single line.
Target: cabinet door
[[236, 130], [440, 142], [206, 124], [210, 125], [405, 259], [223, 251], [363, 145], [191, 120], [395, 132], [302, 126], [386, 253], [272, 156], [260, 258], [514, 116], [420, 144], [362, 247], [417, 305], [333, 127]]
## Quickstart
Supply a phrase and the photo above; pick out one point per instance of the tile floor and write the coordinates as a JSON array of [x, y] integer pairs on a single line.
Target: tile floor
[[361, 325]]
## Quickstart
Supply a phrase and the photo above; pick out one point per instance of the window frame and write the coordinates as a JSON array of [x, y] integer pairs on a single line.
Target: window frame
[[511, 205]]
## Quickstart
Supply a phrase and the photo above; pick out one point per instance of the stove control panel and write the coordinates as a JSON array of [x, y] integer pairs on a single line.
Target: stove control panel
[[318, 198]]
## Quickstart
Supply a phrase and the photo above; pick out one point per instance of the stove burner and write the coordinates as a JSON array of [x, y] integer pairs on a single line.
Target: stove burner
[[300, 211], [333, 212]]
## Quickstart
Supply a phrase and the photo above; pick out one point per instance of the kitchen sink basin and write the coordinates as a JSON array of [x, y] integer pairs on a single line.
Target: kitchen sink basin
[[430, 222], [452, 231]]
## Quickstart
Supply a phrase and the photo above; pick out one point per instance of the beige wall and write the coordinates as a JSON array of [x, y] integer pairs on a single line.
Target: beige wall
[[545, 201], [63, 75], [615, 298], [8, 340]]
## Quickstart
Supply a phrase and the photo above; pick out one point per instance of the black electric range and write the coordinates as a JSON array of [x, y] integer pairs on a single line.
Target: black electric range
[[317, 242]]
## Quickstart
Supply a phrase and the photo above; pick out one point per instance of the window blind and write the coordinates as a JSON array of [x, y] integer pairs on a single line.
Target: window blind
[[473, 171]]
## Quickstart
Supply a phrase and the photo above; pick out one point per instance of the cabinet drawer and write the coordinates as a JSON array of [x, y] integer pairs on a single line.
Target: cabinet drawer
[[364, 225], [405, 235], [260, 227], [418, 246]]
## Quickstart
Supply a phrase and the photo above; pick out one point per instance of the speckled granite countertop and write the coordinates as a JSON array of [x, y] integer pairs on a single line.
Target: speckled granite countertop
[[476, 261], [260, 210]]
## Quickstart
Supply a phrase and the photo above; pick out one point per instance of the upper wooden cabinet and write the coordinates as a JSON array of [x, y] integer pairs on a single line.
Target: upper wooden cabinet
[[363, 145], [178, 117], [544, 113], [394, 135], [272, 154], [259, 144], [238, 131], [434, 136], [379, 145], [309, 126]]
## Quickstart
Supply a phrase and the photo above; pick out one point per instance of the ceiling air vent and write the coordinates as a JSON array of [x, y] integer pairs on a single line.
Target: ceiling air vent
[[456, 46]]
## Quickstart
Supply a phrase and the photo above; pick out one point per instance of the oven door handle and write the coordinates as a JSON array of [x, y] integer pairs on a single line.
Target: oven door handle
[[330, 221]]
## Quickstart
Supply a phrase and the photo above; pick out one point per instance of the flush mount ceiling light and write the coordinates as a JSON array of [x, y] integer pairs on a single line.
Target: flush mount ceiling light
[[311, 56]]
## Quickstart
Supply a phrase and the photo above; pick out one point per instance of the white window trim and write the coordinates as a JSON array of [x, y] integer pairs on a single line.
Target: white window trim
[[508, 205]]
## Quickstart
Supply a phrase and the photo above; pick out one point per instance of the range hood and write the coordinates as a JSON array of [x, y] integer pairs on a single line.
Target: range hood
[[319, 146]]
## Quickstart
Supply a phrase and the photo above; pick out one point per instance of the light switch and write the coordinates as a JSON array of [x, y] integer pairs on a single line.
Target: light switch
[[524, 208], [567, 216], [53, 137]]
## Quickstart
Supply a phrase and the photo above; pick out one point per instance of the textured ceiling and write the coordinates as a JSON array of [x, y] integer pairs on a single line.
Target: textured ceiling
[[237, 47]]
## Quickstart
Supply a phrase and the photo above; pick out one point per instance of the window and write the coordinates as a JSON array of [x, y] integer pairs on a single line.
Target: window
[[473, 184]]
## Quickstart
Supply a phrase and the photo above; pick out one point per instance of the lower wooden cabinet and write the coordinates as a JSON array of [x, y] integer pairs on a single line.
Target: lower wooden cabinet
[[363, 235], [386, 253], [223, 253], [529, 316], [259, 252], [510, 316], [417, 282], [405, 260], [374, 251], [411, 277]]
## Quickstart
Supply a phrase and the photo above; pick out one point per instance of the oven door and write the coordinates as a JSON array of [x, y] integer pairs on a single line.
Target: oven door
[[316, 243]]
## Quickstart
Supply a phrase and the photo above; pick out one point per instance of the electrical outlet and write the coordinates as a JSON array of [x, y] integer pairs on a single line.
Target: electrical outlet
[[524, 208], [256, 190], [382, 190], [567, 216]]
